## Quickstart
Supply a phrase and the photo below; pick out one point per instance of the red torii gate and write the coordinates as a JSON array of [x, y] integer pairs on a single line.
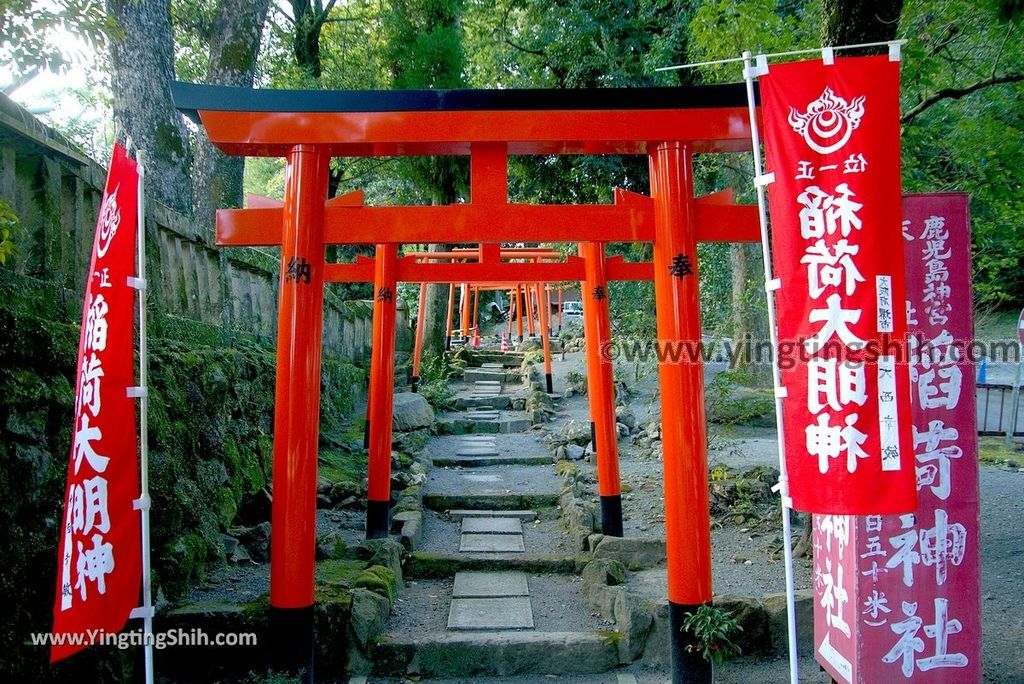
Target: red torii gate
[[309, 127], [601, 391]]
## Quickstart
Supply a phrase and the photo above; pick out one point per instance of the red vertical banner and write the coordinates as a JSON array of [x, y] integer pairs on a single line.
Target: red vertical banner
[[98, 565], [832, 143], [910, 596]]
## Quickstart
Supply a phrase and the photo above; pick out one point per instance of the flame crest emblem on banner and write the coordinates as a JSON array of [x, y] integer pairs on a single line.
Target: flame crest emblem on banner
[[109, 220], [828, 122]]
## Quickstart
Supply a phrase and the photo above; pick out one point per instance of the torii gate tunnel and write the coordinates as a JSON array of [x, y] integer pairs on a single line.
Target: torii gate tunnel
[[307, 128]]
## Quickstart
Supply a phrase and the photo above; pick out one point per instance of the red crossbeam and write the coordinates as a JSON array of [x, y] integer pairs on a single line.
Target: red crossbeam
[[461, 223]]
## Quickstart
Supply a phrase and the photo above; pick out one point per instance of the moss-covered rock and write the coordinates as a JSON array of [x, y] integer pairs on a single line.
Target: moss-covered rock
[[210, 444]]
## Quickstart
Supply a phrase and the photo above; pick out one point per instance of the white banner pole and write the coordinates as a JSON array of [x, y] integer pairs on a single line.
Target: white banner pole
[[144, 501], [770, 285]]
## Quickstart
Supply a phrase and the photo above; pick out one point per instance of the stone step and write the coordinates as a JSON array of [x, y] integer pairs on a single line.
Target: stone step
[[445, 502], [477, 438], [489, 614], [492, 526], [483, 414], [472, 584], [489, 426], [497, 654], [463, 514], [477, 452], [462, 461], [500, 401], [499, 374], [491, 543], [430, 565]]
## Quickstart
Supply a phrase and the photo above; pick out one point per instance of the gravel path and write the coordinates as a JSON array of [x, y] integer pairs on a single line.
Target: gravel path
[[1002, 544]]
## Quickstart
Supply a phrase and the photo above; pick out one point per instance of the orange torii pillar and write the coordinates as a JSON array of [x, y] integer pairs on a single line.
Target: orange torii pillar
[[519, 311], [684, 434], [511, 313], [559, 309], [417, 352], [382, 392], [545, 337], [530, 310], [451, 313], [597, 335], [465, 304], [476, 311], [297, 411]]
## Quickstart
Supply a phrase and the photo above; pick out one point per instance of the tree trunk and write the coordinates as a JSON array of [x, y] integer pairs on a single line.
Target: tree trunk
[[237, 31], [740, 278], [143, 67], [434, 311], [309, 21], [849, 22]]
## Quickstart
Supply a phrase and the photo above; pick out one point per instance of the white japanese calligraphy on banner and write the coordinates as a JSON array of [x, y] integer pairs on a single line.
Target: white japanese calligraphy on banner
[[917, 574], [100, 549]]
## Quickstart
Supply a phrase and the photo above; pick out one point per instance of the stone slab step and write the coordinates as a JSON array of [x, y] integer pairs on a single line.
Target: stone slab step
[[496, 654], [492, 526], [471, 584], [500, 401], [489, 426], [499, 374], [522, 515], [484, 461], [476, 439], [429, 565], [476, 452], [482, 414], [499, 366], [491, 543], [445, 502], [511, 612]]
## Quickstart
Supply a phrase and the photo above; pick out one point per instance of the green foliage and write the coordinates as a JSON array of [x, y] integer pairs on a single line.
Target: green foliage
[[712, 630], [9, 229], [435, 382], [578, 381], [30, 34], [972, 143]]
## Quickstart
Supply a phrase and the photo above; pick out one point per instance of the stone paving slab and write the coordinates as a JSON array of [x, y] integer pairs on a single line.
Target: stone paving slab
[[485, 461], [491, 543], [496, 401], [470, 584], [463, 514], [491, 613], [477, 438], [468, 655], [492, 526], [481, 451]]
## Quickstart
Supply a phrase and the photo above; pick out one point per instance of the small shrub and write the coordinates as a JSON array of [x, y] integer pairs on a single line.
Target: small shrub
[[712, 629]]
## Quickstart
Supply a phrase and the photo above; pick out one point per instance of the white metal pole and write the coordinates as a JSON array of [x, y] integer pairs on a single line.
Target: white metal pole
[[1011, 424], [144, 500], [770, 285]]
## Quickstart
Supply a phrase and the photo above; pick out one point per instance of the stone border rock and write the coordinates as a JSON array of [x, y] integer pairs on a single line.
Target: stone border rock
[[642, 624]]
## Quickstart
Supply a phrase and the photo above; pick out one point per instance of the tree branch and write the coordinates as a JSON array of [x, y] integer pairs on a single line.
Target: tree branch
[[957, 93]]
